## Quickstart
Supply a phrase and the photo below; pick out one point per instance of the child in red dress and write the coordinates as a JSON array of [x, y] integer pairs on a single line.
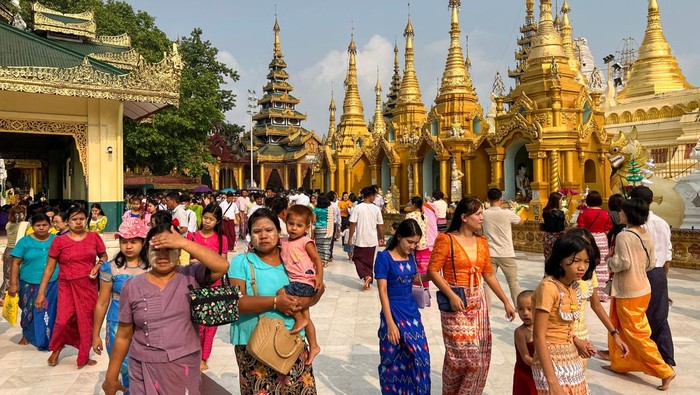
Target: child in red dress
[[523, 383]]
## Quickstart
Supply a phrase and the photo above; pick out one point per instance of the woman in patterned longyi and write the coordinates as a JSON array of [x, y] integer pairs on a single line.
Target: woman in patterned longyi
[[404, 366]]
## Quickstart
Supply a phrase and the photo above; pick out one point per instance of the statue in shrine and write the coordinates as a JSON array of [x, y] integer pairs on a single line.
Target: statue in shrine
[[390, 201], [410, 179], [456, 184], [457, 130], [523, 193]]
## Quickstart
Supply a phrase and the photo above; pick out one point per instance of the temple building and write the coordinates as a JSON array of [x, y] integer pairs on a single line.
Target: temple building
[[283, 150], [550, 127], [663, 107], [64, 91]]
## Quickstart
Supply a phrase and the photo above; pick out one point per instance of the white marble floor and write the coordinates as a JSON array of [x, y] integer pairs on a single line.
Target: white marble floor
[[347, 320]]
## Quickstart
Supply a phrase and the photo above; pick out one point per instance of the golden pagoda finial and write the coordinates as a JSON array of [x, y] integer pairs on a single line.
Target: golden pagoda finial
[[278, 45], [655, 70], [455, 77], [378, 121], [331, 120], [567, 37], [530, 10], [396, 57], [547, 42]]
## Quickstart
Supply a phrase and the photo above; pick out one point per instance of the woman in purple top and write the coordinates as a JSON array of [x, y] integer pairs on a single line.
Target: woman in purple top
[[154, 319]]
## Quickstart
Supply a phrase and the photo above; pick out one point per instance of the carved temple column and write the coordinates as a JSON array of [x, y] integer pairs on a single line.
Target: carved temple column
[[241, 181], [496, 156], [468, 175], [374, 174], [285, 178], [570, 160], [540, 187], [348, 179], [444, 175], [262, 176], [299, 177], [395, 169], [417, 176], [554, 180]]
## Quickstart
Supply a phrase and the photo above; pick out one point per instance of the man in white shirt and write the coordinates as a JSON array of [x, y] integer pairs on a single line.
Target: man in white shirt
[[172, 201], [497, 229], [302, 198], [657, 312], [229, 209], [258, 203], [243, 203], [189, 214], [378, 199], [367, 224], [333, 197]]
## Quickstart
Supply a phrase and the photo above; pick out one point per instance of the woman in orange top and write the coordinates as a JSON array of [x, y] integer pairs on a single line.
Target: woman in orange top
[[466, 330]]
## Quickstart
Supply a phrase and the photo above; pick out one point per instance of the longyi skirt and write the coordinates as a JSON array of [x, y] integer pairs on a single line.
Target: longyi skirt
[[567, 368]]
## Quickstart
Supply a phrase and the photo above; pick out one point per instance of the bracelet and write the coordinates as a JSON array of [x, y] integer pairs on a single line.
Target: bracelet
[[614, 332], [274, 303]]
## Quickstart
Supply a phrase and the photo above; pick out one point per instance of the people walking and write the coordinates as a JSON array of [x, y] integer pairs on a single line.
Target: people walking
[[367, 225], [598, 222]]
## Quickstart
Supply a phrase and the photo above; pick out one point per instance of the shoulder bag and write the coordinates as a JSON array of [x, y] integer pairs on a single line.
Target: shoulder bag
[[214, 306], [271, 343], [442, 299], [420, 293]]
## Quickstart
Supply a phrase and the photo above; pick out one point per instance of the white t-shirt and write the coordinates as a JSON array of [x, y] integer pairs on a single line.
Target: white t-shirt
[[242, 203], [441, 206], [303, 200], [229, 213], [180, 214], [661, 234], [497, 229], [253, 208], [367, 216], [293, 198], [191, 220]]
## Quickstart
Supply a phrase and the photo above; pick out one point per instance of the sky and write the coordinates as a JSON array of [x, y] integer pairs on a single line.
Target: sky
[[315, 35]]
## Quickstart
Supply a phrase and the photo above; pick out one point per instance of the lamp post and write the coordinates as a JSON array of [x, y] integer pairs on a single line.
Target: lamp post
[[252, 105]]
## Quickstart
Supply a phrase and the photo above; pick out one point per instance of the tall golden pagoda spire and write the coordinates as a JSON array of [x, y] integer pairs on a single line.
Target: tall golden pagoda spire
[[409, 93], [567, 37], [379, 128], [655, 70], [395, 86], [455, 77], [547, 42], [331, 120], [352, 122]]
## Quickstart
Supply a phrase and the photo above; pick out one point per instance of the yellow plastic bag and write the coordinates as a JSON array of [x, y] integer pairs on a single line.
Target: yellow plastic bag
[[9, 308]]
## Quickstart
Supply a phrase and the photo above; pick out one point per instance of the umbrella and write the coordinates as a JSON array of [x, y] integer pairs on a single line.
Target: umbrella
[[201, 189], [227, 190]]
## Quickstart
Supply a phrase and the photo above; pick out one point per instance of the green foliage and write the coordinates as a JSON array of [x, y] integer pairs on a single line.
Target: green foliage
[[231, 133]]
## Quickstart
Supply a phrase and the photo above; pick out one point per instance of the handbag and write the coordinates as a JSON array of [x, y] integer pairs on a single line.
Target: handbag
[[442, 299], [214, 306], [271, 343], [420, 293], [608, 284]]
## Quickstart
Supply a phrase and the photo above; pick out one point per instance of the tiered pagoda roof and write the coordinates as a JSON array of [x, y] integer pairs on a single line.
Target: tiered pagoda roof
[[528, 31], [278, 132]]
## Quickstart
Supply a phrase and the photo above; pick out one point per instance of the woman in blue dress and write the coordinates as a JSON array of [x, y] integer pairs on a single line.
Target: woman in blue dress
[[130, 261], [404, 366]]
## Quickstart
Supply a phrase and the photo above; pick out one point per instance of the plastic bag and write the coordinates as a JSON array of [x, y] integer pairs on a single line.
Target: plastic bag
[[10, 308]]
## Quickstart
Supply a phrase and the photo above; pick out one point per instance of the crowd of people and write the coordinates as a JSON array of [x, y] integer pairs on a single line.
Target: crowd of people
[[68, 287]]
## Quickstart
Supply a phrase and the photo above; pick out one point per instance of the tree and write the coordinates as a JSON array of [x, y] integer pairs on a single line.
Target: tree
[[178, 136], [231, 133]]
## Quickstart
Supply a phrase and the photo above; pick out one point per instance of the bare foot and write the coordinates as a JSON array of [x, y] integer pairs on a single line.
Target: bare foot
[[609, 369], [666, 383], [313, 351], [53, 358], [299, 324], [203, 365], [90, 362], [604, 355], [23, 341], [368, 281]]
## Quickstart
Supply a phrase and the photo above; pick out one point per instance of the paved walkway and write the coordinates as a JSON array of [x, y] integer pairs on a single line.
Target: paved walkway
[[347, 320]]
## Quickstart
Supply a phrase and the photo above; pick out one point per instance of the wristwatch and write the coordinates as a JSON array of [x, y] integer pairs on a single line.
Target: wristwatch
[[614, 332]]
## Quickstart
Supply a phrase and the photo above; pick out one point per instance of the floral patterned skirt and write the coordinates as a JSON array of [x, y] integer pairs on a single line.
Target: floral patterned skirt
[[567, 368], [258, 379]]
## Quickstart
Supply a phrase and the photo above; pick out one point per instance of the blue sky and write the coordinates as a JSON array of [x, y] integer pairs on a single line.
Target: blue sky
[[315, 35]]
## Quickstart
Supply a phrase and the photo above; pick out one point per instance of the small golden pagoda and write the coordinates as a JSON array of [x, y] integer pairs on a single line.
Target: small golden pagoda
[[551, 124]]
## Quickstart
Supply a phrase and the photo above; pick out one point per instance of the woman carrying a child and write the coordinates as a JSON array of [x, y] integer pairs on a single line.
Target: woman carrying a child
[[271, 276]]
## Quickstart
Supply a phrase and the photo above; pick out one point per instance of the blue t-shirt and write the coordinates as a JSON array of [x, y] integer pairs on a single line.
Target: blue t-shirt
[[269, 279], [321, 217], [34, 254]]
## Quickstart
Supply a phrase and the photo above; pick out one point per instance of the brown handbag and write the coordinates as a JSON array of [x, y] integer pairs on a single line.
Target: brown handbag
[[271, 343]]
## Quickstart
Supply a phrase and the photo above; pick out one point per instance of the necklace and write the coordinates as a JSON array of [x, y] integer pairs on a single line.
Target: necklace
[[574, 312]]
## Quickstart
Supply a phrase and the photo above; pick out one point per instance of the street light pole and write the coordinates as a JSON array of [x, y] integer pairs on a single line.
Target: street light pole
[[252, 105]]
